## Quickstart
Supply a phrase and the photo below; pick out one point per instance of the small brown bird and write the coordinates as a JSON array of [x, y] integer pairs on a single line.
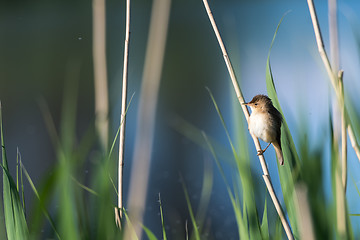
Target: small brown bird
[[265, 123]]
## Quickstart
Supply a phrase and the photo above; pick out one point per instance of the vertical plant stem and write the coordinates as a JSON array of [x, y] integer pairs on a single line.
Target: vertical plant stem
[[146, 114], [21, 181], [320, 45], [304, 213], [332, 75], [339, 198], [333, 78], [240, 97], [278, 207], [336, 79], [237, 89], [333, 35], [118, 211], [335, 64], [17, 168], [343, 133], [353, 141], [100, 72]]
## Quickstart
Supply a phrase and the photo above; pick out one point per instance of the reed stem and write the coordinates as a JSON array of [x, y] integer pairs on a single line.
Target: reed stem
[[100, 72], [118, 210], [240, 97]]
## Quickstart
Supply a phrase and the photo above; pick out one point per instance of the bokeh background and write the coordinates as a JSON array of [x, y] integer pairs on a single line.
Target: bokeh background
[[42, 42]]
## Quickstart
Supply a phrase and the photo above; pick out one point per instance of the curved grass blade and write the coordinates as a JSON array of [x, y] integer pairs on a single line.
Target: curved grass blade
[[131, 227], [84, 187], [242, 228], [16, 226], [247, 184], [118, 131], [278, 231], [287, 142], [149, 233], [196, 233], [265, 224], [342, 219], [162, 219], [195, 134], [288, 147], [18, 162], [352, 118], [46, 213], [357, 189], [206, 189], [223, 123]]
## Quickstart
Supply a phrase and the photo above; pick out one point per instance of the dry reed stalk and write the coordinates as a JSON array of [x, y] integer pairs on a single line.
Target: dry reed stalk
[[240, 97], [306, 229], [339, 197], [333, 36], [335, 65], [146, 115], [343, 133], [100, 72], [118, 210], [336, 79], [279, 210], [353, 141]]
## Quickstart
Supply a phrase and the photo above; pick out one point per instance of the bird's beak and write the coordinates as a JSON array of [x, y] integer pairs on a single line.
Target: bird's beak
[[245, 103]]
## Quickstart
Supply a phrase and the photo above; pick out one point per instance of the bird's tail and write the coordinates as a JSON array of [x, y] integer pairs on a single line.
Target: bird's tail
[[279, 153]]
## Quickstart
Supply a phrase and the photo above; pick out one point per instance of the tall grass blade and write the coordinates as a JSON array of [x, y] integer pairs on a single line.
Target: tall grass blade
[[118, 131], [22, 185], [223, 123], [162, 219], [2, 221], [68, 218], [247, 184], [245, 214], [195, 134], [341, 218], [17, 169], [18, 162], [46, 193], [130, 225], [16, 226], [149, 233], [46, 213], [196, 233], [93, 192], [102, 218], [265, 224], [69, 106], [354, 122], [68, 214], [312, 174], [205, 195], [278, 231], [288, 147], [242, 228], [357, 189]]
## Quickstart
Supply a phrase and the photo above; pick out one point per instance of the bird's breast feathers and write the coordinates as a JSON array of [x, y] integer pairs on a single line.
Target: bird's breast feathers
[[260, 126]]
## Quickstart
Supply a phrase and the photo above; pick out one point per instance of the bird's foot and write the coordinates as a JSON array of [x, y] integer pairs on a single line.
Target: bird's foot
[[260, 152]]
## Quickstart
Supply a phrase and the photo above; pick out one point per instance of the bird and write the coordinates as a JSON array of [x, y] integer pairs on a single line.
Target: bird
[[265, 123]]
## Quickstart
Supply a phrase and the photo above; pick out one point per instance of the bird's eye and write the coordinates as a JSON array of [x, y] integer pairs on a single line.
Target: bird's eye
[[255, 104]]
